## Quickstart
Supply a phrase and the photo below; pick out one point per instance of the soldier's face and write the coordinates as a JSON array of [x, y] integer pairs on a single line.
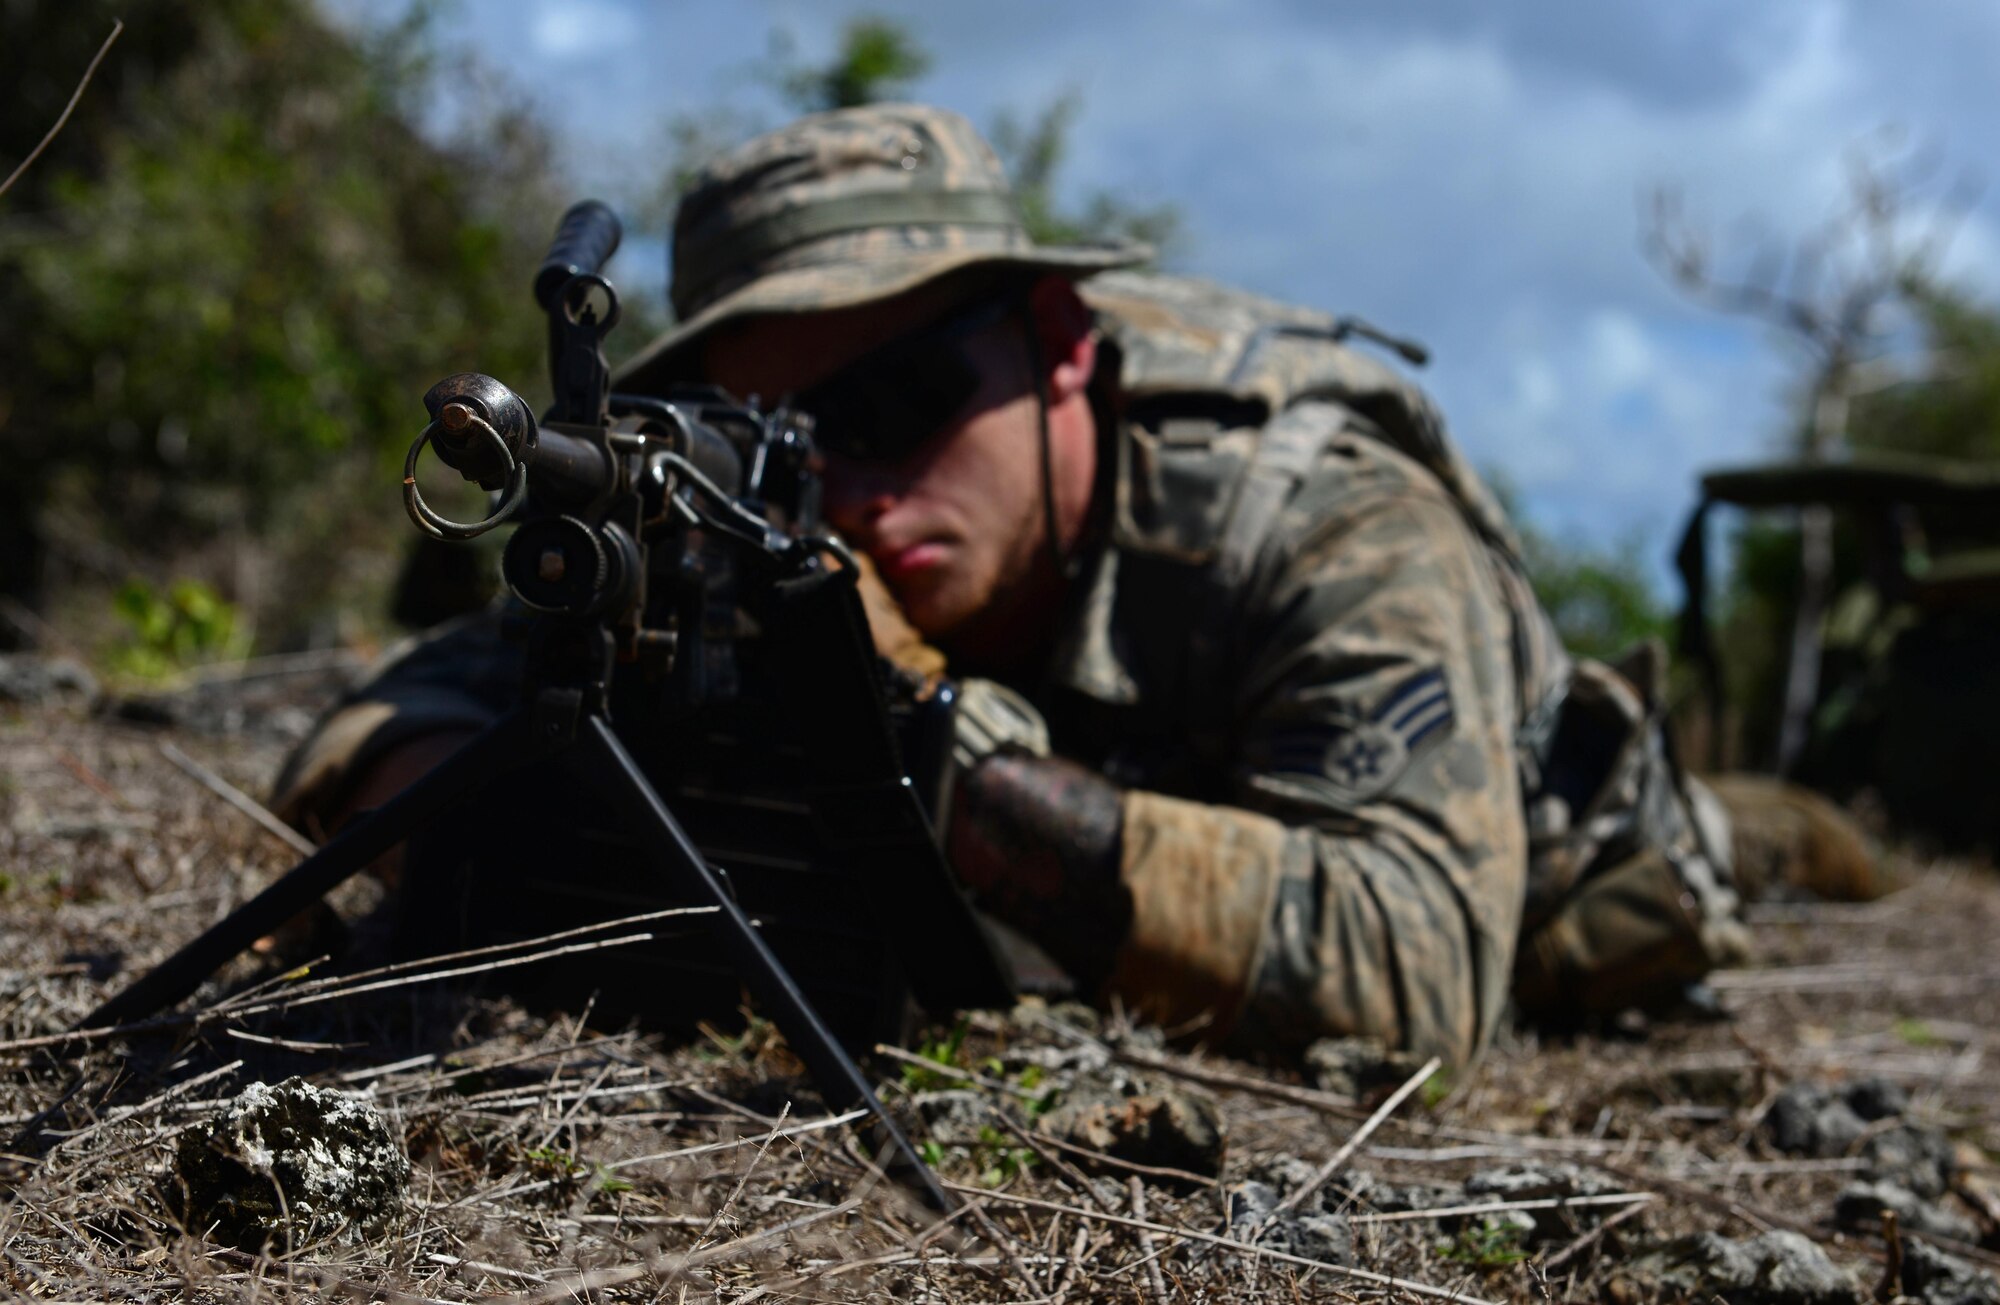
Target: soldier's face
[[954, 524]]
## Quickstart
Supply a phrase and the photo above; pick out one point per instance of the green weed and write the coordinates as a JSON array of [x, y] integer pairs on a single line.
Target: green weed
[[167, 632], [1486, 1245], [1917, 1033], [946, 1052]]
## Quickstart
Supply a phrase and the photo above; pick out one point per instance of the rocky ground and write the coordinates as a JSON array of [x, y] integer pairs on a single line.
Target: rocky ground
[[306, 1132]]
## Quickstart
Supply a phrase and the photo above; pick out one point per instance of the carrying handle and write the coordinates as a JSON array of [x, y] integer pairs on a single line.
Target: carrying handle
[[585, 240]]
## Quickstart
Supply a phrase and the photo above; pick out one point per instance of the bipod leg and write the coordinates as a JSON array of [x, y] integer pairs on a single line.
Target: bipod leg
[[838, 1078], [507, 743]]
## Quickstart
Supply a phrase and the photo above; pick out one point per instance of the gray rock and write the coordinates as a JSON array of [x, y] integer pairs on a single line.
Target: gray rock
[[1859, 1208], [1310, 1232], [955, 1117], [1807, 1119], [1534, 1182], [1284, 1173], [1935, 1278], [1029, 1016], [1359, 1068], [1816, 1120], [1164, 1128], [1315, 1237], [1371, 1193], [1917, 1156], [1791, 1268], [290, 1162], [1773, 1268], [1876, 1098], [36, 681], [1251, 1202], [1731, 1086], [1142, 1037], [1537, 1182]]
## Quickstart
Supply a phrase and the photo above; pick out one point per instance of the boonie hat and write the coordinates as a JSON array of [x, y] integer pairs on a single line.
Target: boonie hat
[[838, 210]]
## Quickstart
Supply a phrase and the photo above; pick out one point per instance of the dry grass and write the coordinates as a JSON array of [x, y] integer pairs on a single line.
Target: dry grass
[[558, 1161]]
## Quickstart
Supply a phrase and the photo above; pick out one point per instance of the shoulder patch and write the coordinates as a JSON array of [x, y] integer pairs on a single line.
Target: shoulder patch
[[1354, 760]]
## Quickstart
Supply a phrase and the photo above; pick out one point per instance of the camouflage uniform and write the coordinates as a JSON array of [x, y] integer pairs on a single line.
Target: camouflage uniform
[[1304, 646]]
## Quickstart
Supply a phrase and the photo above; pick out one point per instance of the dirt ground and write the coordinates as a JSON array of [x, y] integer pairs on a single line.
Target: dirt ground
[[552, 1159]]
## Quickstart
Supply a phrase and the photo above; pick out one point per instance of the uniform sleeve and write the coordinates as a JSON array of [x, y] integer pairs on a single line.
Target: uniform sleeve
[[458, 677], [1367, 877]]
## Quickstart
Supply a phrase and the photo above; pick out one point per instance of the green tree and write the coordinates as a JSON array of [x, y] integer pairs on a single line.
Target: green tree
[[1949, 406], [1598, 598], [1033, 148], [224, 296], [877, 59]]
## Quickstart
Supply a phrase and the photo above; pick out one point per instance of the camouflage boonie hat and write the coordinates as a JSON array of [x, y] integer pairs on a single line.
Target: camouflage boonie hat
[[842, 209]]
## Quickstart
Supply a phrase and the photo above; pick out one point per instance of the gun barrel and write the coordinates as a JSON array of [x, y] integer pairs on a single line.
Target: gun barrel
[[585, 240]]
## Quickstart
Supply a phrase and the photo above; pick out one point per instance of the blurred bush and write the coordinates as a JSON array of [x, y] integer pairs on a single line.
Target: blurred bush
[[1950, 406], [166, 631], [1599, 598], [225, 287]]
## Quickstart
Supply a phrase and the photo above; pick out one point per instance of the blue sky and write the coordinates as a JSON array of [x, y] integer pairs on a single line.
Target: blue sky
[[1464, 171]]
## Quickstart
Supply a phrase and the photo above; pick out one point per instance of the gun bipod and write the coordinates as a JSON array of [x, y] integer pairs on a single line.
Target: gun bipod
[[556, 723]]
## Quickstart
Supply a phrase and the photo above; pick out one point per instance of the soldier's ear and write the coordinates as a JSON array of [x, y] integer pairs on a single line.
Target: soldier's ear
[[1065, 330]]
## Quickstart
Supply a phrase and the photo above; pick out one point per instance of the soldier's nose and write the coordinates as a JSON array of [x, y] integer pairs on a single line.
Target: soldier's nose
[[856, 494]]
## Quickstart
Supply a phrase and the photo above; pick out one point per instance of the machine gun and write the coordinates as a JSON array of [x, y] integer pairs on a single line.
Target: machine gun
[[701, 720]]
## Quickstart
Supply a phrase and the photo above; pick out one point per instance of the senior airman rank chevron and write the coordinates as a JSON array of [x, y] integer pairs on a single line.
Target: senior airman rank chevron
[[1353, 760]]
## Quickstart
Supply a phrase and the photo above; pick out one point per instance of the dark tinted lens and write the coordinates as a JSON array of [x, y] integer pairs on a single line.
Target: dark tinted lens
[[886, 404]]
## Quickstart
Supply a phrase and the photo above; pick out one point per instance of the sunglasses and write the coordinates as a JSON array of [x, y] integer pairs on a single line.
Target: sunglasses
[[888, 402]]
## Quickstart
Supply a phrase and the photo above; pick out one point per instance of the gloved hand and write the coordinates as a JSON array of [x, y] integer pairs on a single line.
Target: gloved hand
[[993, 718], [1033, 837], [895, 638]]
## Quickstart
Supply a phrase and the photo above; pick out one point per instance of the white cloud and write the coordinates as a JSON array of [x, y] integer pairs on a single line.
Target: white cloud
[[565, 29]]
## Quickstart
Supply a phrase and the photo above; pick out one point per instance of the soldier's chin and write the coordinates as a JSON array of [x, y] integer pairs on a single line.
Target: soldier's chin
[[937, 607]]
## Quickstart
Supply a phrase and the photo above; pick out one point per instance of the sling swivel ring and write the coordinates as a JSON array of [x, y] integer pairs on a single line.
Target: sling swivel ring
[[439, 527]]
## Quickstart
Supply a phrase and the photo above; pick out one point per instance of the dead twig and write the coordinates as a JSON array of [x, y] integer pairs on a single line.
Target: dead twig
[[1132, 1166], [729, 1203], [117, 26], [706, 1148], [1891, 1285], [1075, 1263], [952, 1072], [1486, 1142], [345, 984], [1340, 1158], [912, 1247], [242, 801], [91, 779], [1241, 1248], [132, 1112], [1154, 1278], [671, 1267], [1209, 1076], [1591, 1238], [1503, 1207], [497, 1270], [1061, 1166], [344, 987]]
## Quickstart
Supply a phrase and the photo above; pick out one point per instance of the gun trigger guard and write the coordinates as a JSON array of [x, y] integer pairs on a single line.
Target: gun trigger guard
[[438, 527]]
